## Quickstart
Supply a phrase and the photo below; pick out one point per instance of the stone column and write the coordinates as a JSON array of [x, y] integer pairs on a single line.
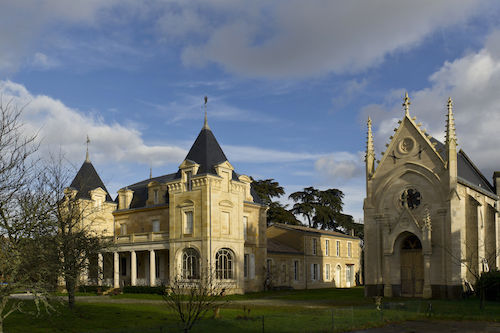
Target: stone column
[[387, 275], [152, 268], [427, 291], [100, 269], [133, 268], [116, 270]]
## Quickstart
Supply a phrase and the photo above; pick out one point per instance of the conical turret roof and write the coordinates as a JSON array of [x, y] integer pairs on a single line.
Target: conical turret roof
[[206, 152], [87, 180]]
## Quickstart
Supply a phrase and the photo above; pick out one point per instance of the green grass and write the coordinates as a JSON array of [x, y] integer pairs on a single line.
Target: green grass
[[350, 310]]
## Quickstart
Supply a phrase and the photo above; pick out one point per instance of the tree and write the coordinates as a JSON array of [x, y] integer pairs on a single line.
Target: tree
[[305, 203], [73, 218], [24, 259], [268, 189], [191, 299]]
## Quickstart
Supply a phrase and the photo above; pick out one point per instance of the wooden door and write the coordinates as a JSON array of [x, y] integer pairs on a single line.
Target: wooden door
[[412, 268]]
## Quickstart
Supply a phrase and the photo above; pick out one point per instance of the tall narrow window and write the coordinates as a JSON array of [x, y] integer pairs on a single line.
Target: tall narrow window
[[156, 197], [338, 248], [156, 225], [296, 270], [190, 264], [188, 222], [327, 272], [314, 246], [269, 264], [349, 249], [246, 260], [245, 227], [224, 264], [189, 175], [314, 272], [327, 247]]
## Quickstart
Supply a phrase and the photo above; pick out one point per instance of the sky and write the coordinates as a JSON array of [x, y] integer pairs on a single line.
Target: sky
[[290, 83]]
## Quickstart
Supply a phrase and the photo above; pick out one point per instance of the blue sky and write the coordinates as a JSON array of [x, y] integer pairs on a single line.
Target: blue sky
[[289, 83]]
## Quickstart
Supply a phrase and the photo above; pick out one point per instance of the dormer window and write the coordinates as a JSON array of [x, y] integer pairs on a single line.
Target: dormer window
[[189, 175], [156, 197]]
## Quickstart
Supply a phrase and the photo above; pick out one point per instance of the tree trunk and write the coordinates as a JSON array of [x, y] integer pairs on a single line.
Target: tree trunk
[[70, 287], [1, 326]]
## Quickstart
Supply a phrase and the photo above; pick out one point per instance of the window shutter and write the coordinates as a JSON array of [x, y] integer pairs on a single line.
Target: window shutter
[[252, 266]]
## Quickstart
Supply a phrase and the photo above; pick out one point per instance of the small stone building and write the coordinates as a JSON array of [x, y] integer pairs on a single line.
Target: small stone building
[[431, 222]]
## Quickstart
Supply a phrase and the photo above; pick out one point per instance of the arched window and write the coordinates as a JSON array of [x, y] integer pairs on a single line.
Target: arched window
[[224, 264], [190, 264]]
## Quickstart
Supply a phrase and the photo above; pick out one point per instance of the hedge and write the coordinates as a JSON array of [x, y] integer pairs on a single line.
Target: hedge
[[143, 290]]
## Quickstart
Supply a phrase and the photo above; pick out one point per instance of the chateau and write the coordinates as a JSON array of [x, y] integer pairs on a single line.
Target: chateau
[[431, 222], [206, 217]]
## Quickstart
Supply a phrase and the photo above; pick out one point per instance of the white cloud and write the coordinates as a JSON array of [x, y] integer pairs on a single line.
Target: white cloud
[[339, 167], [297, 38], [42, 61], [64, 128], [473, 82]]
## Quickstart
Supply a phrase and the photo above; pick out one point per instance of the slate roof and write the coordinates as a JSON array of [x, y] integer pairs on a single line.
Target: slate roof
[[276, 247], [466, 169], [87, 180], [206, 152], [312, 230]]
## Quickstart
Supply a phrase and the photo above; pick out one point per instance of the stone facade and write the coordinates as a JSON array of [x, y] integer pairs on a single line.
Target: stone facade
[[430, 216], [306, 258]]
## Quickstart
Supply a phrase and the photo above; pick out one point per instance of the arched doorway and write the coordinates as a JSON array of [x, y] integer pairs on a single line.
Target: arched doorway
[[412, 267]]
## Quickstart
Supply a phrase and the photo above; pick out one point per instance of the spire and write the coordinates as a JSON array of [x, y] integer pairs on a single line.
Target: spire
[[205, 124], [450, 124], [406, 104], [150, 172], [370, 151], [87, 159]]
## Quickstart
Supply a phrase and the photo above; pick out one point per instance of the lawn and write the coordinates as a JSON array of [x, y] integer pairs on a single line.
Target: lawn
[[310, 311]]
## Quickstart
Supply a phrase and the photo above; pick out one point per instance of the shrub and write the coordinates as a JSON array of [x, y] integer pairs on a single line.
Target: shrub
[[144, 290], [491, 282]]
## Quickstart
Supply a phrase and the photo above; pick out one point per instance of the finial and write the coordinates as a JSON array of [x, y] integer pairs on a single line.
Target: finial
[[450, 124], [205, 125], [406, 104], [150, 172], [87, 159], [370, 151]]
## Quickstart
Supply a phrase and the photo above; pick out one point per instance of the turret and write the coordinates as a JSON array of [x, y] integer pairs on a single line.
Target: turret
[[496, 181], [451, 145]]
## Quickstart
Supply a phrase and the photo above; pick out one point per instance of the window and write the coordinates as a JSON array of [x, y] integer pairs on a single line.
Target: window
[[314, 272], [327, 246], [269, 266], [224, 264], [296, 270], [349, 249], [156, 225], [349, 275], [246, 262], [190, 264], [283, 273], [123, 229], [189, 175], [156, 199], [188, 222], [327, 272], [338, 248], [314, 246], [245, 227], [225, 223]]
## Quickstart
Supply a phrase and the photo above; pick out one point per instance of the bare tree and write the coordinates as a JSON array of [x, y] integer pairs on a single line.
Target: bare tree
[[74, 219], [24, 229], [191, 299]]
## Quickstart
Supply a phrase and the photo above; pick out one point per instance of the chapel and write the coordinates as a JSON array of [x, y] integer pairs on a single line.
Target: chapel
[[430, 215]]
